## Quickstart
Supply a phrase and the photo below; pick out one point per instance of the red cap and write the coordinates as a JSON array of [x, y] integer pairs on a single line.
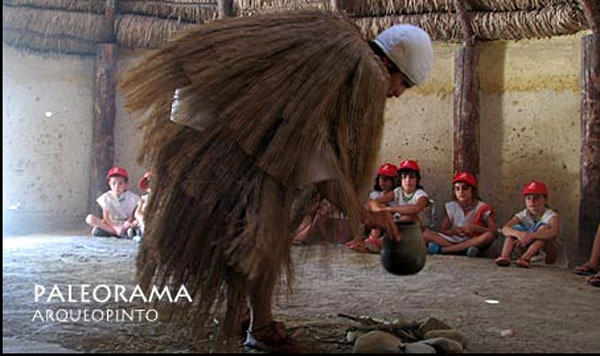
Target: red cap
[[145, 181], [409, 164], [388, 170], [465, 177], [117, 171], [535, 187]]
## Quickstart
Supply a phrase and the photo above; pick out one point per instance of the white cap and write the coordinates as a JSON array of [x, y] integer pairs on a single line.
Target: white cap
[[410, 48]]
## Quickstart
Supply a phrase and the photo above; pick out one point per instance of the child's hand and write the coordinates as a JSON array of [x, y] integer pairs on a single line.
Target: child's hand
[[458, 231], [525, 240]]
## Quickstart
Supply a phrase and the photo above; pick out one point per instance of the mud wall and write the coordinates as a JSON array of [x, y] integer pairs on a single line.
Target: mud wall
[[530, 114], [529, 128]]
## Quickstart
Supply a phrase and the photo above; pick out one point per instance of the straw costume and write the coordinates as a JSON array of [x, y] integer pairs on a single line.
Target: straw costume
[[266, 107]]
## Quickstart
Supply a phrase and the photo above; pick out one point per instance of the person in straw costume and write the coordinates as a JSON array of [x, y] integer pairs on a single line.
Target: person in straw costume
[[248, 122]]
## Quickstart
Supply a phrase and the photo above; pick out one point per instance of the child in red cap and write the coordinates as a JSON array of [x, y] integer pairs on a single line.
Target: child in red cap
[[118, 205], [144, 185], [534, 228], [385, 182], [407, 202], [468, 224]]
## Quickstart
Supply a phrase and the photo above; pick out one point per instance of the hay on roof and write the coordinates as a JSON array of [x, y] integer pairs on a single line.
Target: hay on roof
[[140, 32], [549, 21], [51, 30], [93, 6], [198, 12], [365, 8], [259, 7]]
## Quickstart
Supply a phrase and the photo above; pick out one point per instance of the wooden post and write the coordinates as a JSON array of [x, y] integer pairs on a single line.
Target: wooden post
[[103, 140], [589, 204], [225, 8], [104, 120], [466, 111]]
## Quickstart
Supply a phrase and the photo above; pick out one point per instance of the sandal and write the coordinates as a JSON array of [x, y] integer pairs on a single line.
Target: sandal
[[594, 280], [521, 262], [271, 338], [374, 244], [585, 270], [502, 261]]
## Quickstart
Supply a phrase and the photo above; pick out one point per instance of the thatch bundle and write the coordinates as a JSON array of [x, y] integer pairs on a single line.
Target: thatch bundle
[[554, 20], [94, 6], [53, 31], [140, 32], [272, 111], [197, 11], [257, 7], [367, 8]]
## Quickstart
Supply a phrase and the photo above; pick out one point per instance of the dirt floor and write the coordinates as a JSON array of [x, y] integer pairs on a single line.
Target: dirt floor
[[548, 308]]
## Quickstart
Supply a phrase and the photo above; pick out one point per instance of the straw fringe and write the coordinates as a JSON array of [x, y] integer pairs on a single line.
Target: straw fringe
[[261, 7], [365, 8], [140, 32], [549, 21], [176, 10], [267, 109], [51, 30], [94, 6]]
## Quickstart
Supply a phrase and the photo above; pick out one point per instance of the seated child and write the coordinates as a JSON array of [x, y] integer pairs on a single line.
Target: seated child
[[385, 182], [534, 228], [144, 184], [468, 225], [410, 201], [118, 205]]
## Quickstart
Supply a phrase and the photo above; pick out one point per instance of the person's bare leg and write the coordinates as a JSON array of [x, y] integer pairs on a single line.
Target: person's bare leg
[[509, 245], [261, 301], [595, 254], [99, 223], [478, 241], [533, 249], [432, 236]]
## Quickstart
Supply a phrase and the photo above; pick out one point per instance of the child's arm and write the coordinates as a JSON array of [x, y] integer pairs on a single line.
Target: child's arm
[[139, 211], [411, 209], [446, 227], [507, 229], [547, 232], [378, 204], [490, 225]]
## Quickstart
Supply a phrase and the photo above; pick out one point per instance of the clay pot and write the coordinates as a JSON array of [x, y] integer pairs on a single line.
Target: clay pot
[[407, 256]]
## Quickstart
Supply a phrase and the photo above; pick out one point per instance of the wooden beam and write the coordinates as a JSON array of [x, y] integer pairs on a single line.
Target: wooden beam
[[465, 22], [103, 141], [589, 204], [591, 9], [110, 14], [225, 9], [466, 111]]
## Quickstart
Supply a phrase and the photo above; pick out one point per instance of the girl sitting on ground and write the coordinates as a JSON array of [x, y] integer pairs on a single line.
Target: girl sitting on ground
[[409, 201], [468, 224], [385, 182], [535, 228]]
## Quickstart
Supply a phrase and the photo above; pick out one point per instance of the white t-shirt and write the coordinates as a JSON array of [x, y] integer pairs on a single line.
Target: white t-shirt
[[526, 220], [119, 208], [401, 199], [456, 216]]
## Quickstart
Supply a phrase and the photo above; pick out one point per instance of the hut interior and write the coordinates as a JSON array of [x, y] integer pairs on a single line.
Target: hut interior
[[514, 96]]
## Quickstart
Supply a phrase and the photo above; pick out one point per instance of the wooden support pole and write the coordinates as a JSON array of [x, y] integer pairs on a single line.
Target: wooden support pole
[[103, 141], [225, 8], [466, 111], [589, 204]]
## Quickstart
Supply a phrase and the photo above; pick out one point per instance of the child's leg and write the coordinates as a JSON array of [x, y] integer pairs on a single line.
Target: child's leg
[[534, 248], [99, 223], [509, 245], [477, 241], [432, 236]]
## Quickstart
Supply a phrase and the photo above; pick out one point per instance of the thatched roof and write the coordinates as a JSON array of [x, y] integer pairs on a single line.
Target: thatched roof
[[75, 26]]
